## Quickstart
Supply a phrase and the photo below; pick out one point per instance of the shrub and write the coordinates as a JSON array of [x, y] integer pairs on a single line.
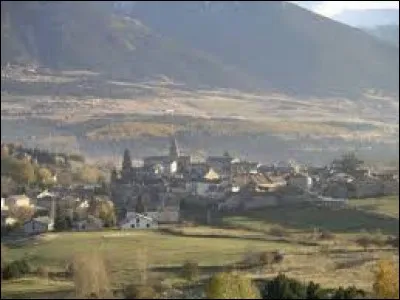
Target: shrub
[[364, 242], [369, 240], [348, 293], [269, 258], [393, 241], [265, 258], [326, 235], [230, 285], [190, 270], [282, 287], [139, 292], [277, 231], [16, 269], [314, 291]]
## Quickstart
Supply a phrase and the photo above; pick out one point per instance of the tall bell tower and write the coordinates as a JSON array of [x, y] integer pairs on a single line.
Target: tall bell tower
[[173, 149]]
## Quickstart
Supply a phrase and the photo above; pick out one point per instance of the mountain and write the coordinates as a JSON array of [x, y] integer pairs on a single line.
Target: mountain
[[86, 35], [369, 17], [387, 33], [243, 45]]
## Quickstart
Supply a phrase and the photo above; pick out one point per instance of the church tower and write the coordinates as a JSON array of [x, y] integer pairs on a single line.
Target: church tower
[[173, 149]]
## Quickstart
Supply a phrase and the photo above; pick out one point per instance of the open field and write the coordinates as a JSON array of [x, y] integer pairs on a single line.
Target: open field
[[332, 262], [303, 217], [98, 117], [388, 206]]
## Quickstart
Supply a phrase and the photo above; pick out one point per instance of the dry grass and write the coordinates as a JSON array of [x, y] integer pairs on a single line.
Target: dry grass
[[90, 275]]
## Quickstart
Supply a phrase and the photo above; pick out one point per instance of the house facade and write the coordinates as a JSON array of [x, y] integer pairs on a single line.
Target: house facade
[[38, 225], [135, 220]]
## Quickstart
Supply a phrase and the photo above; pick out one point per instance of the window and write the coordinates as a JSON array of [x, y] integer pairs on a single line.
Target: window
[[137, 220], [148, 225], [132, 225]]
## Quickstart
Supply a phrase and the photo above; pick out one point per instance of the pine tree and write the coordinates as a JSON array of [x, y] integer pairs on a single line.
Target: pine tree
[[127, 162]]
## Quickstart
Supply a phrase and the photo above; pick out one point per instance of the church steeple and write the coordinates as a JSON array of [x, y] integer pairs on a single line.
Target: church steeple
[[173, 149]]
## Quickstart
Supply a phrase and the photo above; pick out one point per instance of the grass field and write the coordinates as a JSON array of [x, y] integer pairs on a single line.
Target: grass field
[[388, 206], [331, 263], [302, 217]]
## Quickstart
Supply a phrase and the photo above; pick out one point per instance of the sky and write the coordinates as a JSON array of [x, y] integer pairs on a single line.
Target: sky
[[332, 8]]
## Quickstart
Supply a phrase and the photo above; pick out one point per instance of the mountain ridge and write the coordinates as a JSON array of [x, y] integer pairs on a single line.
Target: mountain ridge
[[255, 45]]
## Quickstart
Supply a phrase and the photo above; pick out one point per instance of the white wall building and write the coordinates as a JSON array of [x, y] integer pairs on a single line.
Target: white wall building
[[301, 181], [138, 221]]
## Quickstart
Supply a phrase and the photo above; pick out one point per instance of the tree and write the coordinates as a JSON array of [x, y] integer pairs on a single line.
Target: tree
[[44, 176], [231, 286], [8, 186], [62, 221], [386, 284], [348, 162], [139, 208], [127, 161], [21, 171], [88, 174], [90, 276], [22, 213], [103, 210]]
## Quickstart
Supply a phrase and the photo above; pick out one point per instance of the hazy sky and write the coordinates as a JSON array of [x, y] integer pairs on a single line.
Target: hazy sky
[[333, 8]]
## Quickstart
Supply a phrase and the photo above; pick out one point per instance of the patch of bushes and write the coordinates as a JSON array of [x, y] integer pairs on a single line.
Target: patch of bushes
[[367, 241], [393, 241], [16, 269], [139, 292], [190, 270], [326, 235], [282, 287], [270, 258], [277, 231], [231, 285]]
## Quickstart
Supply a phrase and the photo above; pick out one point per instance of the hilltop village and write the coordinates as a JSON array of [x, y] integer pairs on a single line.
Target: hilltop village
[[161, 190]]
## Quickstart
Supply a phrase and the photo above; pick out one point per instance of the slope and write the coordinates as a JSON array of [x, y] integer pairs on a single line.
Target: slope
[[291, 48], [86, 35]]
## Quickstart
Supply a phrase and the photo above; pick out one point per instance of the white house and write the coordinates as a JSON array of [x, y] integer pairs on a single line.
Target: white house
[[135, 220], [38, 225], [165, 215]]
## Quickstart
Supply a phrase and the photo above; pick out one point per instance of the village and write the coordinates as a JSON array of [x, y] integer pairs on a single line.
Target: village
[[163, 188]]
